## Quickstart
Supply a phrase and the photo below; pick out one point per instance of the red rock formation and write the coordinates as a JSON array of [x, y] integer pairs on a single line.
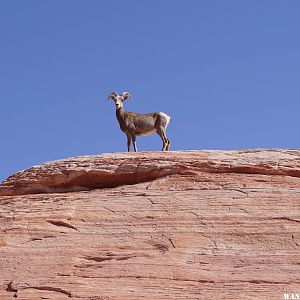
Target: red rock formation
[[173, 225]]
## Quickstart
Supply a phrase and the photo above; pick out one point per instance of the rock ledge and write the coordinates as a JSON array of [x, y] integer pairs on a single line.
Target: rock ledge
[[112, 170], [169, 226]]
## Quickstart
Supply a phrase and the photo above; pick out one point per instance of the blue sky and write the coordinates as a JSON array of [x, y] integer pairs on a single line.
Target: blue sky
[[228, 72]]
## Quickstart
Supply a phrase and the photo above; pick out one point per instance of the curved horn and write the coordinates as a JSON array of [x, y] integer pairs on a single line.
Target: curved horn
[[126, 95], [112, 95]]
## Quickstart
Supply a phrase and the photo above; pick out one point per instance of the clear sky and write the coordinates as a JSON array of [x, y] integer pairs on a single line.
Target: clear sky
[[228, 72]]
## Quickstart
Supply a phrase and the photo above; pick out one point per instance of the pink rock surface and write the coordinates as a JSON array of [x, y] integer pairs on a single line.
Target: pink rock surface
[[173, 225]]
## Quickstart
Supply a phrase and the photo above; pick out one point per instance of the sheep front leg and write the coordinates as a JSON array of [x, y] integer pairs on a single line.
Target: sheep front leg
[[134, 142], [128, 142]]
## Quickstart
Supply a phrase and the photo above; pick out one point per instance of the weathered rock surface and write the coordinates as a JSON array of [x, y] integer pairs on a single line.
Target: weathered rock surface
[[175, 225]]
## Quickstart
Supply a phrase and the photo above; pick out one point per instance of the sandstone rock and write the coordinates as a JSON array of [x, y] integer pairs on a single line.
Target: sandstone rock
[[172, 225], [111, 170]]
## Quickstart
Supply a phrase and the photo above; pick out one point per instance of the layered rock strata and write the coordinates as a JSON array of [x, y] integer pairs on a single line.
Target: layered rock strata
[[173, 225]]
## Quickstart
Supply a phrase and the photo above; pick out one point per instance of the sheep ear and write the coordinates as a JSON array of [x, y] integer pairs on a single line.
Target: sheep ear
[[112, 96], [126, 96]]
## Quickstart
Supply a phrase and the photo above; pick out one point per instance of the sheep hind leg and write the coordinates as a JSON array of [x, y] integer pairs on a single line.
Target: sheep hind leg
[[164, 138], [168, 144]]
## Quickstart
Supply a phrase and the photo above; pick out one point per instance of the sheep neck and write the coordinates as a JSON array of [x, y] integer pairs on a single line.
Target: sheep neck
[[120, 114]]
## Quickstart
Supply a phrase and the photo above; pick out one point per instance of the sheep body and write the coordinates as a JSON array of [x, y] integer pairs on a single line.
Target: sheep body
[[133, 124]]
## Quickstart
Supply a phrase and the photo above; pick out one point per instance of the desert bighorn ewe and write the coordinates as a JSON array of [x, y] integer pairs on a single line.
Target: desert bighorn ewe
[[133, 124]]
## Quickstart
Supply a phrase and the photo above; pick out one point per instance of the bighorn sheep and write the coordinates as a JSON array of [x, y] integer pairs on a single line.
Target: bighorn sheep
[[133, 124]]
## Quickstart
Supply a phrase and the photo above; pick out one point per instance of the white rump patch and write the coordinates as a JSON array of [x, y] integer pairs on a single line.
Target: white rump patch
[[168, 118]]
